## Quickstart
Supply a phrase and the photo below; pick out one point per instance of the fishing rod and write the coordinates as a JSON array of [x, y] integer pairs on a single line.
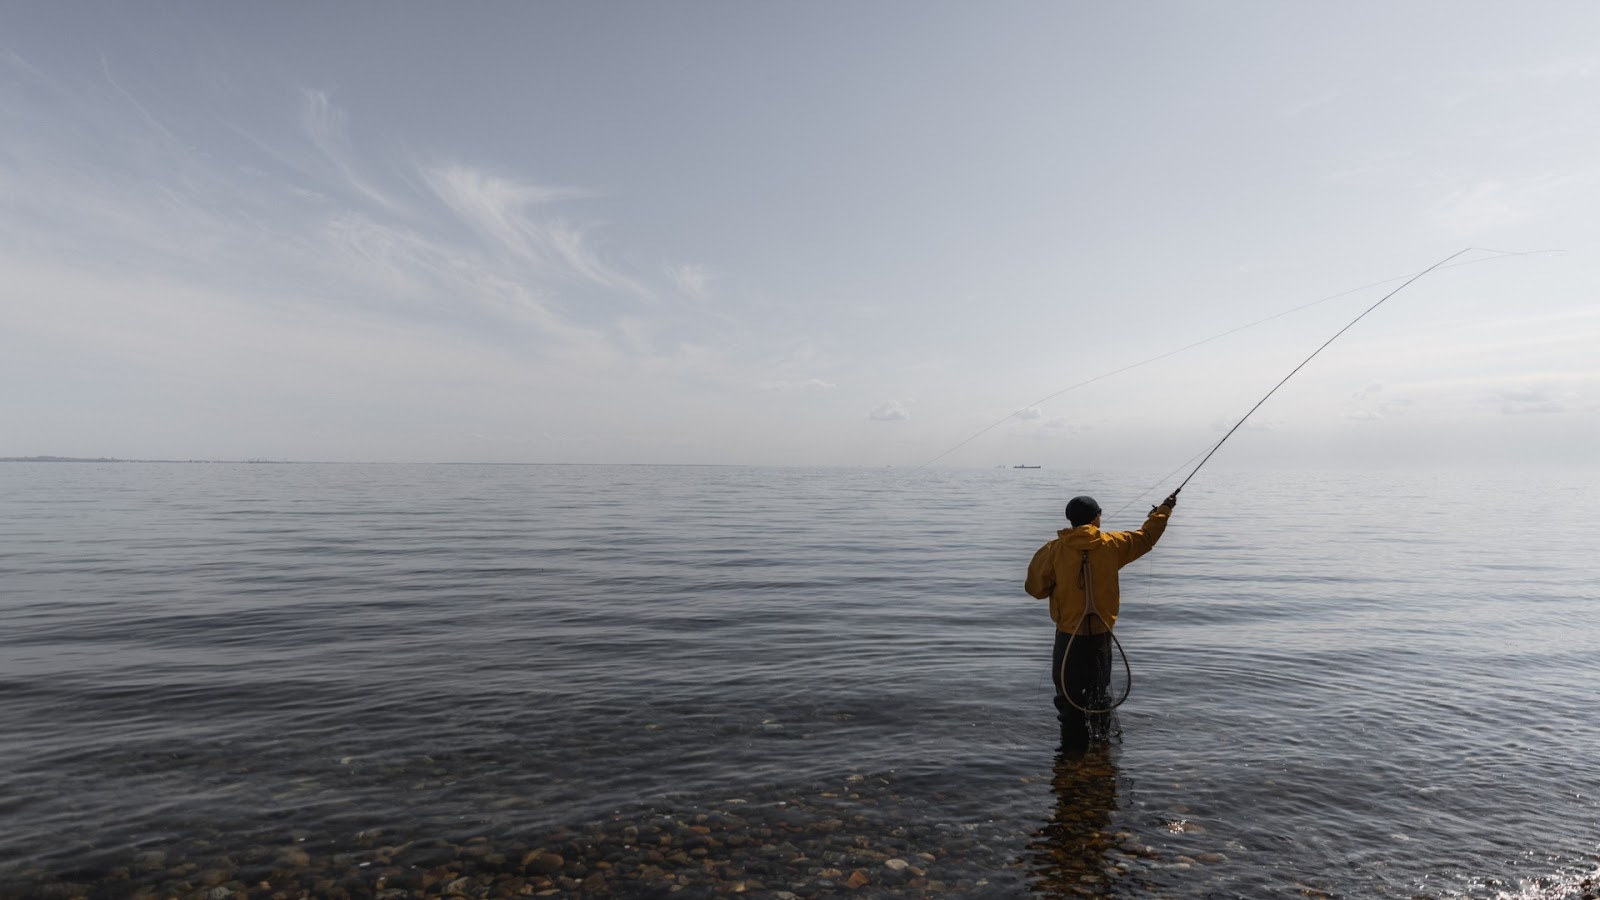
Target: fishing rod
[[1314, 356], [1084, 575], [1498, 254]]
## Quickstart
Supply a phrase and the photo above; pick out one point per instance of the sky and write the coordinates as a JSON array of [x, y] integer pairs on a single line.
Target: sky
[[799, 234]]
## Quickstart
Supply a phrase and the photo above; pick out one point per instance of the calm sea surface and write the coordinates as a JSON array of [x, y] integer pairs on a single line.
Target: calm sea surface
[[1365, 685]]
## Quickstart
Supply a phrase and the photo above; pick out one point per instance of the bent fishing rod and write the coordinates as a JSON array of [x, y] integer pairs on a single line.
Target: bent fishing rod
[[1237, 425], [1498, 254], [1084, 576], [1314, 356]]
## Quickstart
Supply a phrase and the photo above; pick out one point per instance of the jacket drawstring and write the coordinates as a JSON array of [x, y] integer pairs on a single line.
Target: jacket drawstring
[[1086, 581]]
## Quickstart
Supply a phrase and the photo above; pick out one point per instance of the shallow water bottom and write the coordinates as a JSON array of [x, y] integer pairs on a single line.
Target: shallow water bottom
[[878, 834]]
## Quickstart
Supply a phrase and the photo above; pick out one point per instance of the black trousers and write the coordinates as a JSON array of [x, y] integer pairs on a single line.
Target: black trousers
[[1086, 675]]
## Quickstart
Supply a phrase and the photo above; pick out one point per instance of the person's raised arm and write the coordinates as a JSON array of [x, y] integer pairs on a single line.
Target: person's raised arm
[[1134, 544]]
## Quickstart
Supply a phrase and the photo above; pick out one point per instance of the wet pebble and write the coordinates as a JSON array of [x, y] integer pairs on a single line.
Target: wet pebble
[[543, 862], [293, 857]]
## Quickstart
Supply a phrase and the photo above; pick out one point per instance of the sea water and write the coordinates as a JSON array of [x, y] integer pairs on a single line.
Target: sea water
[[1359, 684]]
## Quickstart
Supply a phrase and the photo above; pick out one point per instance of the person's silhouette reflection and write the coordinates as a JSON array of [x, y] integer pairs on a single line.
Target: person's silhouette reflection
[[1068, 854]]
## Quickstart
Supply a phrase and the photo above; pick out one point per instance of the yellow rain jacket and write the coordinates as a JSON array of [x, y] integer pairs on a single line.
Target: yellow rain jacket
[[1054, 570]]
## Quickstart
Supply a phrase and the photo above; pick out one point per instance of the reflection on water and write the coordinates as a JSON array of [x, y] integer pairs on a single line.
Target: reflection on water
[[1067, 857]]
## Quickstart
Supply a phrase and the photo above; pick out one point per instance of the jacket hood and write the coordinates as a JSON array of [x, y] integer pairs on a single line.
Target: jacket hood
[[1081, 538]]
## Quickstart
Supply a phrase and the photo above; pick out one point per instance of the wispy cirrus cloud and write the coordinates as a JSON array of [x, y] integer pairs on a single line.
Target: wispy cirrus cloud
[[797, 385], [692, 279], [299, 218], [1533, 400], [1373, 402], [889, 411], [1489, 203], [327, 127], [1054, 427], [1306, 104], [1251, 424], [151, 120], [1565, 69], [500, 210]]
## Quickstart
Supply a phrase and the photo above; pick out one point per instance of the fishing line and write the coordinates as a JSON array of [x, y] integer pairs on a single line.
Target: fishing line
[[1084, 573], [1137, 497], [1314, 356], [1499, 254]]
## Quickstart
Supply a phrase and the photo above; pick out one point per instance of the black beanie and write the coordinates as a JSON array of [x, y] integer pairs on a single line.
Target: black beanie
[[1082, 510]]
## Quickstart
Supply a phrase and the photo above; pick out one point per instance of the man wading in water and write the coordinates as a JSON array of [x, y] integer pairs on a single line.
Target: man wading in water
[[1084, 557]]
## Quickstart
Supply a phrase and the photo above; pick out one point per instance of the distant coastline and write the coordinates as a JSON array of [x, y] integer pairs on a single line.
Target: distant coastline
[[324, 462], [112, 459]]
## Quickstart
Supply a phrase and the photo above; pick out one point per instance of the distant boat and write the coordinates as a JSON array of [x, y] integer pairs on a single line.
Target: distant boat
[[1026, 467]]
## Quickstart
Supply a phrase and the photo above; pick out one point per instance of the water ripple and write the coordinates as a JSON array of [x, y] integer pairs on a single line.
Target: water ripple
[[1356, 699]]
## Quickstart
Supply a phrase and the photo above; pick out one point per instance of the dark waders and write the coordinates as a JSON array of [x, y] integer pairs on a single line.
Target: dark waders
[[1087, 678]]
